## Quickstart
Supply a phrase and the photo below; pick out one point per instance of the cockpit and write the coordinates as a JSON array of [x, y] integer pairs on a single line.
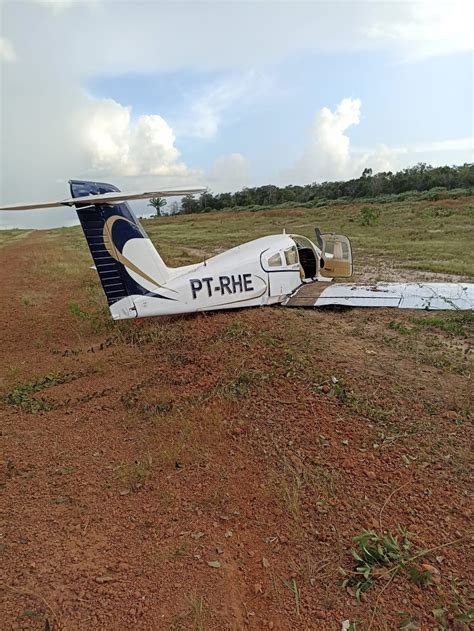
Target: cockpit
[[333, 259], [307, 256]]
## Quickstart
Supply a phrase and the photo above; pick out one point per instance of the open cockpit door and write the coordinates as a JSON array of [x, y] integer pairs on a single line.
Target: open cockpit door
[[336, 256]]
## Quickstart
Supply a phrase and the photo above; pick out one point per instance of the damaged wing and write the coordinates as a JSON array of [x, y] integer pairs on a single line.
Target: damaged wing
[[429, 296]]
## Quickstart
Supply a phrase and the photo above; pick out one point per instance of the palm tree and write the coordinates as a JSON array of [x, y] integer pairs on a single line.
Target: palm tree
[[157, 203]]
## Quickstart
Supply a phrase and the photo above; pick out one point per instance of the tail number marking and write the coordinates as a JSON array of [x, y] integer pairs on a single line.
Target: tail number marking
[[222, 285]]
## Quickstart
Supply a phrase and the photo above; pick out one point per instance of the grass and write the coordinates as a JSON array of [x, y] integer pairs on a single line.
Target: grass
[[96, 314], [197, 611], [304, 481], [7, 237], [195, 616], [22, 395], [165, 334], [431, 351], [292, 585], [292, 490], [34, 298], [404, 230], [427, 235], [133, 400], [457, 324], [133, 475], [242, 385]]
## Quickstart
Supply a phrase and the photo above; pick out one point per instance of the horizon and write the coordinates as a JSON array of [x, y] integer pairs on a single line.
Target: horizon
[[139, 207]]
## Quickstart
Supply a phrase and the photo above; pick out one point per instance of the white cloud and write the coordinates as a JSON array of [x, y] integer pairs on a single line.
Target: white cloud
[[462, 149], [60, 5], [428, 28], [7, 52], [452, 144], [120, 146], [328, 154], [209, 109]]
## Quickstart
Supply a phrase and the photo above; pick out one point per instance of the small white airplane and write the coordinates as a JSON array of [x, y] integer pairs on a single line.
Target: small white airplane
[[283, 269]]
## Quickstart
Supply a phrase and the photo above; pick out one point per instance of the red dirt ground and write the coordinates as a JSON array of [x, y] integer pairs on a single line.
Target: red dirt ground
[[205, 472]]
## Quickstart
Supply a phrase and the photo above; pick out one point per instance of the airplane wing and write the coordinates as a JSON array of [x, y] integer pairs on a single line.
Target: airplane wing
[[429, 296], [108, 198]]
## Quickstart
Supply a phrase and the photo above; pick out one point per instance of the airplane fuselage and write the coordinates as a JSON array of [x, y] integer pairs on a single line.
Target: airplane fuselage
[[261, 272]]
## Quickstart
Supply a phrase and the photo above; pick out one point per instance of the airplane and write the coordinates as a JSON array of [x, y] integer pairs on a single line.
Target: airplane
[[285, 269]]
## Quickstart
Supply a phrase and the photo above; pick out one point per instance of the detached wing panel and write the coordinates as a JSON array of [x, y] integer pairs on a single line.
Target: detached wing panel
[[429, 296]]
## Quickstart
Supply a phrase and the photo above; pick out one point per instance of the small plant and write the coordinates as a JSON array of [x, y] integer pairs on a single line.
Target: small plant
[[181, 551], [163, 407], [421, 577], [444, 613], [377, 555], [441, 212], [198, 611], [380, 556], [98, 318], [76, 310], [293, 587], [339, 390], [292, 491], [369, 215], [335, 387], [406, 621], [133, 475], [401, 328], [133, 400], [241, 385]]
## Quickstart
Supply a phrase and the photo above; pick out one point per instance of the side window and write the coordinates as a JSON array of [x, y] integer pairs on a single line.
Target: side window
[[275, 260], [291, 256]]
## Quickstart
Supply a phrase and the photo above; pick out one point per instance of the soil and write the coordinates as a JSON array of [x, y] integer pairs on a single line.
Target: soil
[[211, 471]]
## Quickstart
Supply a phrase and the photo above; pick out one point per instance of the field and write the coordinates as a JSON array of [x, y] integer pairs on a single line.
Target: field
[[212, 471]]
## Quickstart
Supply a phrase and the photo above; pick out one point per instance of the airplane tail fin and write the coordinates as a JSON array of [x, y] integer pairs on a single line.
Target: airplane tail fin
[[126, 260]]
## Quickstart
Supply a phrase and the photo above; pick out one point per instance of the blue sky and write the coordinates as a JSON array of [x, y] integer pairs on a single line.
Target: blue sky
[[403, 103], [228, 94]]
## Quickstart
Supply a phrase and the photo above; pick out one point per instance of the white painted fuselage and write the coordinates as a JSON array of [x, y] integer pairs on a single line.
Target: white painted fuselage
[[245, 276]]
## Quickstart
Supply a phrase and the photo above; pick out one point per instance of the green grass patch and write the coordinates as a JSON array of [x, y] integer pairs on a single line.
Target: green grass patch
[[459, 324], [22, 396]]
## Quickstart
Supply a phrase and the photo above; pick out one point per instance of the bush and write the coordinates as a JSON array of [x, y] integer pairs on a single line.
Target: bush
[[369, 215]]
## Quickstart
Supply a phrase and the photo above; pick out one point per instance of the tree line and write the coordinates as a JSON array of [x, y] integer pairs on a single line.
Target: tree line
[[421, 177]]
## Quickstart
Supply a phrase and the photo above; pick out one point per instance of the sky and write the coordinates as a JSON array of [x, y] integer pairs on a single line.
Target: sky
[[225, 94]]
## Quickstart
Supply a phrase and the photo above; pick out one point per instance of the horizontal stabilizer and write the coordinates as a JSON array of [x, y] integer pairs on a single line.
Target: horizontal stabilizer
[[108, 198], [429, 296]]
